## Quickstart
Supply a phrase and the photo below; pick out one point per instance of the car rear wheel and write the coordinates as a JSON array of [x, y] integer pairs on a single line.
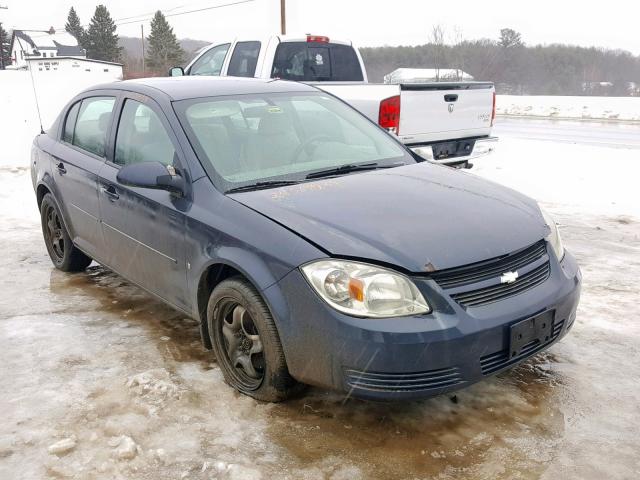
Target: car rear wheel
[[64, 254], [246, 342]]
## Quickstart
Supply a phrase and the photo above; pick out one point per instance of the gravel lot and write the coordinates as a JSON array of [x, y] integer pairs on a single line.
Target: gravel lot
[[98, 380]]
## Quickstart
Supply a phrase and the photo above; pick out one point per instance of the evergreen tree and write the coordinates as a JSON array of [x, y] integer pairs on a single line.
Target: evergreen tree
[[164, 50], [74, 27], [102, 41], [5, 54]]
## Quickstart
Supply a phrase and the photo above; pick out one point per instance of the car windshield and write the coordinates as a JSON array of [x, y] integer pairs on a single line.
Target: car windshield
[[250, 139]]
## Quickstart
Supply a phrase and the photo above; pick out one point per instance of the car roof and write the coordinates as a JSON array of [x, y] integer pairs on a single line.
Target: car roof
[[182, 88]]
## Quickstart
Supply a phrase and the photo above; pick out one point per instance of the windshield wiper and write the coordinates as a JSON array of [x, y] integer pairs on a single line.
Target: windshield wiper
[[262, 185], [355, 167]]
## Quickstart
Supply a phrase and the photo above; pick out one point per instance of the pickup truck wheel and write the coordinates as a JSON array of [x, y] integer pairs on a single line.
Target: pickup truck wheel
[[64, 254], [246, 342]]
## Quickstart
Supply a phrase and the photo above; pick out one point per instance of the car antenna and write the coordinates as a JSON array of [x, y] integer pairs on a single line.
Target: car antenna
[[33, 85]]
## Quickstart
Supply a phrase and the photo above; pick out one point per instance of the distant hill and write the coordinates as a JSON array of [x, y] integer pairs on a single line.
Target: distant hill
[[132, 50]]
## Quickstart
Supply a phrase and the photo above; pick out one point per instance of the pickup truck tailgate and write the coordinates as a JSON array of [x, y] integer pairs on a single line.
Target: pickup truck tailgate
[[455, 110]]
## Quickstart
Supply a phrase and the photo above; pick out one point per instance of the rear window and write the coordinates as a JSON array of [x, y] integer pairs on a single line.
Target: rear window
[[314, 61]]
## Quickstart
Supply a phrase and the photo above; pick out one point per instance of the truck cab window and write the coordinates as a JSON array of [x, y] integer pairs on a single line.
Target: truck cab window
[[314, 61], [244, 59]]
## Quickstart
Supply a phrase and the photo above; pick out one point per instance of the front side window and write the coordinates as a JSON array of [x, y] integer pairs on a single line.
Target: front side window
[[210, 63], [94, 118], [250, 138], [244, 59], [142, 137]]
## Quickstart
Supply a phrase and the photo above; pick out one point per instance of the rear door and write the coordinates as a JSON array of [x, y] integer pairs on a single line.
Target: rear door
[[442, 111], [78, 158], [143, 228]]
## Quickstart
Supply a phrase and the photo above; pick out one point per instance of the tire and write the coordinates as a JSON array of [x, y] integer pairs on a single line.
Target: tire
[[64, 254], [246, 342]]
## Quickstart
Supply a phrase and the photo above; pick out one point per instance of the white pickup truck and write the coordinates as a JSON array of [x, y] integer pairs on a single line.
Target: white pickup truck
[[447, 122]]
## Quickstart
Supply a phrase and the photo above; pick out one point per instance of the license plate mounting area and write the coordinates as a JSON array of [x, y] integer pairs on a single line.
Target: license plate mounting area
[[529, 333]]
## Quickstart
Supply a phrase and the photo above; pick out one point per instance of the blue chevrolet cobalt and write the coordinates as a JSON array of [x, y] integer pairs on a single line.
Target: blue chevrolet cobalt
[[312, 247]]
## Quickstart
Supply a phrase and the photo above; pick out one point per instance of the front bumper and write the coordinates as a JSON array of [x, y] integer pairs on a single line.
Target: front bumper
[[414, 357]]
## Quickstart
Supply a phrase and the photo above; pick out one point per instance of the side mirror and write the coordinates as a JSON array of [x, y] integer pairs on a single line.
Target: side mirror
[[152, 175], [176, 72]]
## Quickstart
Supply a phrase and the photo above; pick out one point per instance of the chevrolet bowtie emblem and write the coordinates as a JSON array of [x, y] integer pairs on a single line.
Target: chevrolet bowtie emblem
[[509, 277]]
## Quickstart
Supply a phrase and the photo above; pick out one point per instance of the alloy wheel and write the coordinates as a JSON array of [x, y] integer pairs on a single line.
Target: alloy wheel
[[243, 346]]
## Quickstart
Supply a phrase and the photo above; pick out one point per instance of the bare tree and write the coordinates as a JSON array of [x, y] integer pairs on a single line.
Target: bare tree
[[457, 40], [437, 39]]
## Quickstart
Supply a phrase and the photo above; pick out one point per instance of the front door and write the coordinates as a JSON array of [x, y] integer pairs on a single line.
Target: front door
[[143, 229], [78, 159]]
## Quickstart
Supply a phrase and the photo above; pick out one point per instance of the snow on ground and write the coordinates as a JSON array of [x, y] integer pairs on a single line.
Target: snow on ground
[[586, 108], [577, 178]]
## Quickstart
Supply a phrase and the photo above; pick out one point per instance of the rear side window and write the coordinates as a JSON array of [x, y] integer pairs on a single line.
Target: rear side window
[[142, 137], [94, 118], [70, 123], [314, 61], [244, 59]]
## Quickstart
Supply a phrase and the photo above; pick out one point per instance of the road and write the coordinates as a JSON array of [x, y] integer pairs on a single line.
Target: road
[[604, 134]]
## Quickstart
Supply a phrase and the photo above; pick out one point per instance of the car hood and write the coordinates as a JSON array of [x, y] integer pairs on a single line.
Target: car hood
[[420, 217]]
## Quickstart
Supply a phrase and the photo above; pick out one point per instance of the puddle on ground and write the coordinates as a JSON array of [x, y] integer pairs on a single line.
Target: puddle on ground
[[445, 435], [177, 336], [451, 433]]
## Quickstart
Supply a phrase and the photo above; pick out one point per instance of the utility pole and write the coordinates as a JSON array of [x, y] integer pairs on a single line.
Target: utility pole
[[2, 46], [283, 17], [142, 35]]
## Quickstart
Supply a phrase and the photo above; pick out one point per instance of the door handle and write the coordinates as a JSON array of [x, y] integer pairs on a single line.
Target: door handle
[[110, 191], [450, 97], [61, 169]]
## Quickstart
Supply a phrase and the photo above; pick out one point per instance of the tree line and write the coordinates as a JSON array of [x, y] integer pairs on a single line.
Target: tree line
[[100, 40], [515, 67]]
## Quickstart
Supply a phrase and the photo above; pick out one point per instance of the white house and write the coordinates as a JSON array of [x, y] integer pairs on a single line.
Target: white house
[[72, 68], [423, 75], [35, 44]]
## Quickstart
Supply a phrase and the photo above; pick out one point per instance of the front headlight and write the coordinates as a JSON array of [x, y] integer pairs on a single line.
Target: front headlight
[[364, 290], [554, 237]]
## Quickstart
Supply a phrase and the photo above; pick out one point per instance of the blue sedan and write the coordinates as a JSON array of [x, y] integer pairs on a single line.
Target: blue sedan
[[311, 245]]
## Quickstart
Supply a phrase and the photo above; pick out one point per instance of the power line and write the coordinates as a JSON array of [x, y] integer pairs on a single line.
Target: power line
[[143, 17], [191, 11]]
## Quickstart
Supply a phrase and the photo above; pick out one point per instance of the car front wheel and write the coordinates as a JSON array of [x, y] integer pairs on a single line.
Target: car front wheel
[[246, 342], [64, 254]]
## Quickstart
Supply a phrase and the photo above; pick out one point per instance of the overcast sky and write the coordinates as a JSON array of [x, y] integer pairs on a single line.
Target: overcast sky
[[612, 24]]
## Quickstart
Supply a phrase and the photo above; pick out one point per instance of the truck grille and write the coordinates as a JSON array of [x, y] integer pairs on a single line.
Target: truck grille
[[479, 283]]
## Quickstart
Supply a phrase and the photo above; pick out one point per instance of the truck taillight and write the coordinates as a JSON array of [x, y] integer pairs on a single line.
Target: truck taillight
[[389, 115], [317, 38], [493, 110]]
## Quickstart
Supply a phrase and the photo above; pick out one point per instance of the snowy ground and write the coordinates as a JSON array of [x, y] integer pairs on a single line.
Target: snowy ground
[[100, 381], [584, 108]]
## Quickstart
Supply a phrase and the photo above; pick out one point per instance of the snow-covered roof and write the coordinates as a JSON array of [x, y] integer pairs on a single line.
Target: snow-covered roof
[[63, 42], [418, 75]]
